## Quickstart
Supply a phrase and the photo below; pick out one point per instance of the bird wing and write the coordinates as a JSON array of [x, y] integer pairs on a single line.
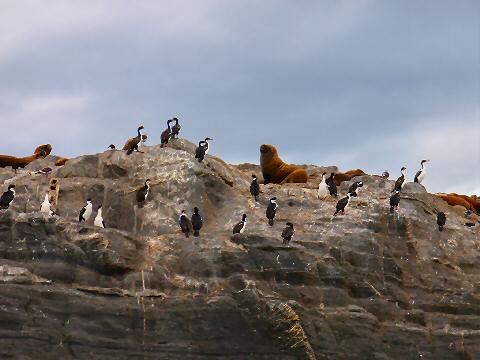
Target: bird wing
[[399, 182], [82, 212], [141, 194], [342, 203], [285, 233], [417, 175], [237, 227]]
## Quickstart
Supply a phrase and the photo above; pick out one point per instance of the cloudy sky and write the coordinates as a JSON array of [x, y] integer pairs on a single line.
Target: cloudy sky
[[359, 84]]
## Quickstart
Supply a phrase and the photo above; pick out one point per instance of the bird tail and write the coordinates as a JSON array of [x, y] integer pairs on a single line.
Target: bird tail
[[256, 197], [440, 227], [140, 205], [196, 233], [336, 212], [270, 222], [391, 209], [80, 218]]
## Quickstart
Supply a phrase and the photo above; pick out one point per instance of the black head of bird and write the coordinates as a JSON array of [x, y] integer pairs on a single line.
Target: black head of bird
[[423, 162], [254, 176], [10, 187], [289, 224], [332, 175], [207, 139], [273, 199], [324, 174], [175, 119], [195, 210], [140, 128], [244, 217], [147, 182], [99, 206], [89, 201]]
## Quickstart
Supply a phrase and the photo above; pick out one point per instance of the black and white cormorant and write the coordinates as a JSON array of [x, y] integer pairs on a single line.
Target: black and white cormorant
[[441, 220], [197, 222], [385, 174], [254, 187], [420, 175], [185, 224], [112, 147], [86, 211], [99, 219], [132, 144], [355, 188], [7, 197], [240, 226], [165, 136], [401, 181], [271, 210], [394, 201], [342, 204], [142, 193], [288, 232], [46, 207], [202, 149], [45, 171], [332, 187], [175, 128], [323, 187]]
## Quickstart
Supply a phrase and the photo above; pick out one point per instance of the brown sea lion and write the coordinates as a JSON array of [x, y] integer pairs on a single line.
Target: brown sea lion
[[61, 161], [275, 171], [341, 177], [46, 148], [15, 162], [454, 199]]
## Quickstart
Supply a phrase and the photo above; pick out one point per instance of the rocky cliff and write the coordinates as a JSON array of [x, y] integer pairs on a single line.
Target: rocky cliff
[[367, 285]]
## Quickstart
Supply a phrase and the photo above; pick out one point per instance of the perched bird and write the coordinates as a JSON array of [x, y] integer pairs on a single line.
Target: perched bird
[[420, 175], [165, 136], [254, 187], [468, 213], [45, 171], [394, 201], [175, 128], [112, 147], [132, 143], [342, 204], [271, 210], [142, 193], [240, 226], [185, 224], [200, 151], [332, 187], [355, 188], [401, 181], [99, 219], [86, 211], [323, 187], [288, 232], [46, 207], [197, 222], [386, 174], [7, 197], [470, 224], [441, 220]]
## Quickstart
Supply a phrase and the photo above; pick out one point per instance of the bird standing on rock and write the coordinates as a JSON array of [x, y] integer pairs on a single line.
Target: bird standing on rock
[[7, 197], [355, 188], [46, 207], [132, 144], [323, 187], [175, 128], [420, 175], [142, 193], [254, 187], [98, 221], [240, 226], [342, 204], [202, 149], [197, 222], [441, 220], [86, 211], [401, 181], [394, 201], [185, 224], [287, 233], [112, 147], [332, 187], [271, 210], [165, 136]]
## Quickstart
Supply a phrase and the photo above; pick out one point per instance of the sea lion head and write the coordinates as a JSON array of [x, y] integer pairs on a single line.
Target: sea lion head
[[267, 150], [46, 149]]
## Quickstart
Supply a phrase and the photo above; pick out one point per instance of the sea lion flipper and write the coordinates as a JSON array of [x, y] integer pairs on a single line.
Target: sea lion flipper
[[297, 176]]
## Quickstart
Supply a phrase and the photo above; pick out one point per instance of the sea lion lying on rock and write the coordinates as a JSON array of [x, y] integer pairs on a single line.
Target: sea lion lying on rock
[[20, 162], [341, 177], [275, 171], [467, 202]]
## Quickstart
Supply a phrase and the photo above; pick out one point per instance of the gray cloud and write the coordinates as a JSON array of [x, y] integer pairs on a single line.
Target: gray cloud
[[367, 84]]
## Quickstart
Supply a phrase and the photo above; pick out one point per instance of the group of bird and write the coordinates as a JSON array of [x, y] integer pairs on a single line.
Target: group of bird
[[194, 224]]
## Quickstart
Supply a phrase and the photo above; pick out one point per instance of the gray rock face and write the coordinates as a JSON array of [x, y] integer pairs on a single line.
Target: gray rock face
[[365, 285]]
